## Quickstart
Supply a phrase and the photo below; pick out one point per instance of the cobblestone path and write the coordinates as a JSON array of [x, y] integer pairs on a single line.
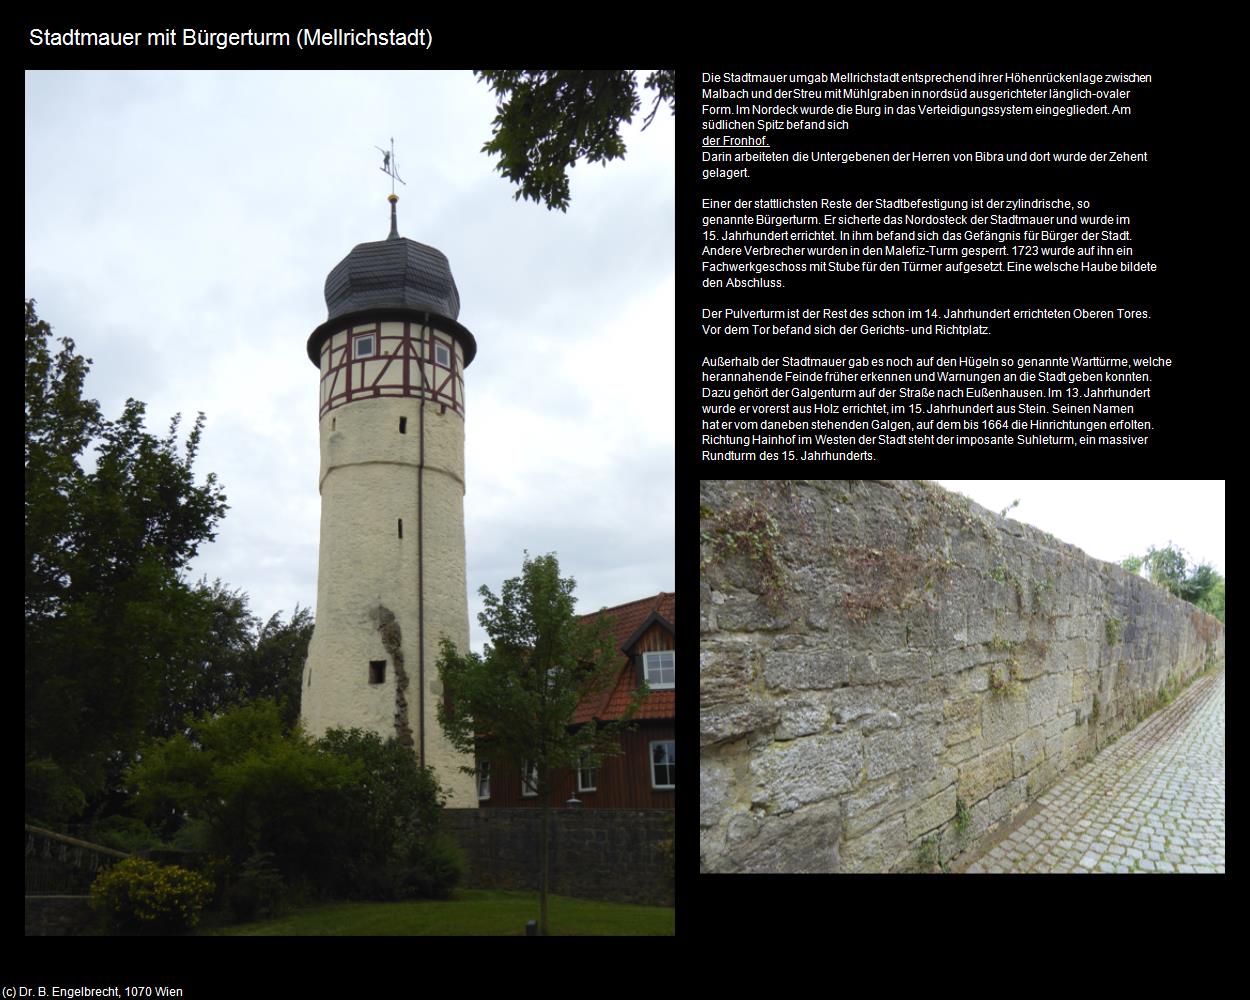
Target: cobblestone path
[[1151, 802]]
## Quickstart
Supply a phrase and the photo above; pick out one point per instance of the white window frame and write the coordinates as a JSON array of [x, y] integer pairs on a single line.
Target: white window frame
[[445, 347], [593, 772], [672, 761], [357, 340], [658, 659], [527, 767], [483, 780]]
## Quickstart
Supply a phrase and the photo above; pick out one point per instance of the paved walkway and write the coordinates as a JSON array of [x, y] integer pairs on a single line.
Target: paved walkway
[[1151, 802]]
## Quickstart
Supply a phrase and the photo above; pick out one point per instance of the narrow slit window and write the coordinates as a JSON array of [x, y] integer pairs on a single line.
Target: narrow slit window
[[403, 425], [401, 527], [377, 671]]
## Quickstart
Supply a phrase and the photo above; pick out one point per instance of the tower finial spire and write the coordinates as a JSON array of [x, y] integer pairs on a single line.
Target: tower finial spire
[[390, 167]]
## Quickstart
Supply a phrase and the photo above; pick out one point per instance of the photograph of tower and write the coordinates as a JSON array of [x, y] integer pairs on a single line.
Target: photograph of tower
[[204, 238], [391, 575]]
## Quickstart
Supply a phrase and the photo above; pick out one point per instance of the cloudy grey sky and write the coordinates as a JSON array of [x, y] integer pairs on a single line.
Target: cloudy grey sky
[[1111, 519], [179, 227]]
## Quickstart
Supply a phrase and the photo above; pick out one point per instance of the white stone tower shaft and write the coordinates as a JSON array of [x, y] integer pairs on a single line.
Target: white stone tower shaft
[[391, 571]]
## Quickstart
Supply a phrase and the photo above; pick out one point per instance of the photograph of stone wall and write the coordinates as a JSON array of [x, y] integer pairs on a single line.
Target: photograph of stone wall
[[889, 672]]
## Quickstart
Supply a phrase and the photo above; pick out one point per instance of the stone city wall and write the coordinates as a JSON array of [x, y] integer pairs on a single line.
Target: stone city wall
[[623, 855], [889, 672]]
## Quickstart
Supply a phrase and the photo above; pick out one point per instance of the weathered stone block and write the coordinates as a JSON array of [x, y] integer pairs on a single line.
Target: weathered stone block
[[714, 791], [718, 723], [1028, 664], [979, 777], [1043, 698], [930, 814], [881, 720], [726, 670], [899, 749], [807, 669], [800, 716], [1003, 801], [1004, 715], [1078, 687], [881, 849], [1027, 751], [903, 664], [808, 770], [802, 842], [963, 718], [744, 611], [957, 753], [866, 808]]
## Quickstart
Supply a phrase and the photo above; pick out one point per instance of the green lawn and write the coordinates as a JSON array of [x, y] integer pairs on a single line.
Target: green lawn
[[471, 912]]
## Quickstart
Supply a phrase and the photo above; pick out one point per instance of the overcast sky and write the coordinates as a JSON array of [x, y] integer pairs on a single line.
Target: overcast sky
[[1111, 519], [179, 227]]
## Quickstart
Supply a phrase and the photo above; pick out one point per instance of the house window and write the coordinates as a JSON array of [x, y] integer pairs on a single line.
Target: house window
[[377, 671], [442, 354], [529, 779], [483, 780], [657, 669], [362, 347], [663, 764], [587, 776]]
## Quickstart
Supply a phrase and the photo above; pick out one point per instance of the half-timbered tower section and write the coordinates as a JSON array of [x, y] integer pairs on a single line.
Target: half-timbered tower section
[[643, 776], [391, 570]]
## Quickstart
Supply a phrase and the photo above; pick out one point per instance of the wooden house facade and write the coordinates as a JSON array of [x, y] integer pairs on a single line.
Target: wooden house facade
[[642, 776]]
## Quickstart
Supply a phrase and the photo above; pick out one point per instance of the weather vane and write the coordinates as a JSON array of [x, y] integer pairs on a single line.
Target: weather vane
[[389, 166]]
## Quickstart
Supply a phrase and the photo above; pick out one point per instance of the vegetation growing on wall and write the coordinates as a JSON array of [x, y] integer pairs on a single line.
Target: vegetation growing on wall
[[745, 528]]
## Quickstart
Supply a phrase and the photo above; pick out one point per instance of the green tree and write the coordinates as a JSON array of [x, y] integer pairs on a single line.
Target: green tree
[[1213, 599], [513, 703], [106, 538], [350, 813], [259, 785], [237, 659], [545, 121], [1169, 567]]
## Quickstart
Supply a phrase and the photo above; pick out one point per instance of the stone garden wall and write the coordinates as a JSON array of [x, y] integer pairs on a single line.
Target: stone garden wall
[[623, 855], [889, 672]]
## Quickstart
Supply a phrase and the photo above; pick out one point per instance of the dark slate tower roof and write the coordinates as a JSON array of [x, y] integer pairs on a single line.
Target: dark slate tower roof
[[394, 278]]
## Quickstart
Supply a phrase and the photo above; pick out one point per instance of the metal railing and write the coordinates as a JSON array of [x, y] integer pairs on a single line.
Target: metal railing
[[57, 864]]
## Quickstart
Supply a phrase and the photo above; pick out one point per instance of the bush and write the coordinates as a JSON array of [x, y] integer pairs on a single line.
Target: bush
[[435, 867], [124, 833], [258, 890], [144, 897], [52, 797]]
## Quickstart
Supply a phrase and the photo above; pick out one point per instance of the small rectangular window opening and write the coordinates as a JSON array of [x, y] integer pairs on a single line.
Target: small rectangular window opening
[[401, 527], [403, 425], [364, 346], [377, 671]]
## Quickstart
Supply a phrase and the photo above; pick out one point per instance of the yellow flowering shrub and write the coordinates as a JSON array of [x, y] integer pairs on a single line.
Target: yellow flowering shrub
[[139, 895]]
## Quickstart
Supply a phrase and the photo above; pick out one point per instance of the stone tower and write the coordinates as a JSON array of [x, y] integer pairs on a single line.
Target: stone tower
[[391, 573]]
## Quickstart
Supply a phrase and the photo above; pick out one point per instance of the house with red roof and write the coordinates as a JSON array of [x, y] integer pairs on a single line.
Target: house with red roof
[[643, 775]]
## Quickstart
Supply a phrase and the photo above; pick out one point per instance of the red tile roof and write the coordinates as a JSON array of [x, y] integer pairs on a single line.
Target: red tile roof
[[610, 704]]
